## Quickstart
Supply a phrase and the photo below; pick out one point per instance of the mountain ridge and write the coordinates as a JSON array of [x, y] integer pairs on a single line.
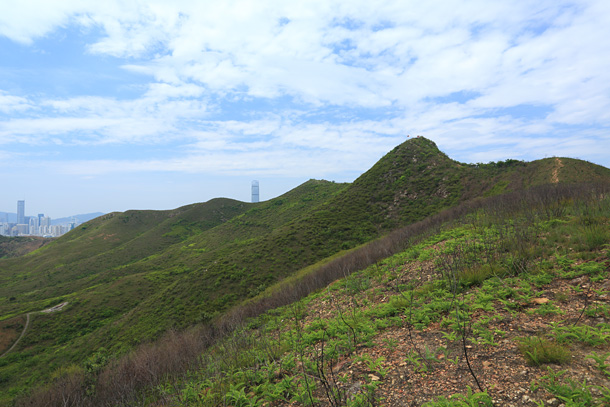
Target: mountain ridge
[[189, 265]]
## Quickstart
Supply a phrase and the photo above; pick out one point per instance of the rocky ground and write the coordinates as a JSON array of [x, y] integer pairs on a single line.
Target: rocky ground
[[418, 366]]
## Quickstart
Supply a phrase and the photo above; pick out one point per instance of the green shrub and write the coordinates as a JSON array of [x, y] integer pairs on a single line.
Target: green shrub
[[539, 351], [571, 392], [595, 236], [593, 336], [476, 275]]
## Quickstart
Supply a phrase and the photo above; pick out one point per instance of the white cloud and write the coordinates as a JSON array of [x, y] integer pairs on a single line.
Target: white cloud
[[26, 20], [268, 162], [339, 79], [11, 103], [157, 115], [426, 49]]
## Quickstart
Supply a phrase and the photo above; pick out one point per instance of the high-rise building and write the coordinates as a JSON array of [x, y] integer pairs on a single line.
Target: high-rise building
[[34, 225], [254, 191], [20, 212], [22, 229], [45, 221]]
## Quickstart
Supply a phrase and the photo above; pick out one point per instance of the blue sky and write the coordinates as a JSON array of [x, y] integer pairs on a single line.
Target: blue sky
[[117, 105]]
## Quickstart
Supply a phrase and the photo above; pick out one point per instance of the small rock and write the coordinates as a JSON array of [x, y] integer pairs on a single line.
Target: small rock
[[539, 301], [552, 402], [373, 377], [577, 280]]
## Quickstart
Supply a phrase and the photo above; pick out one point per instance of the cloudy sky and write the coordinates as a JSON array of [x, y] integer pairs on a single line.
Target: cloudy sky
[[153, 104]]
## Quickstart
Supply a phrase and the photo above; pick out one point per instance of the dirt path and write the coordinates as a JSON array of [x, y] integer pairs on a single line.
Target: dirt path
[[555, 175], [27, 324], [25, 328]]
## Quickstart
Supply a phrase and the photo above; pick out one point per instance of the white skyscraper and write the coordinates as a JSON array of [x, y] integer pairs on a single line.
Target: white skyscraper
[[20, 212], [254, 191]]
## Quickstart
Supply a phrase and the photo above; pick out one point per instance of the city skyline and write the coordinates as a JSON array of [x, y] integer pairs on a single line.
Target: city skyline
[[39, 225], [4, 212]]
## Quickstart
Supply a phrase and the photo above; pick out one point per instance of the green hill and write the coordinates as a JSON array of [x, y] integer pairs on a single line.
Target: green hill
[[129, 277], [19, 246], [500, 303]]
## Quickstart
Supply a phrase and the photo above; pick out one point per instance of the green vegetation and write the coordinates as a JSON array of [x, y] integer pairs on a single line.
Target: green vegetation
[[319, 358], [223, 287], [460, 400], [539, 351], [19, 246], [573, 392]]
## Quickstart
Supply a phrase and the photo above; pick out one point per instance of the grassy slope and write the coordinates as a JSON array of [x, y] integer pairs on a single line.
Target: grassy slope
[[79, 268], [19, 246], [240, 258], [131, 276], [391, 333], [88, 255], [106, 281]]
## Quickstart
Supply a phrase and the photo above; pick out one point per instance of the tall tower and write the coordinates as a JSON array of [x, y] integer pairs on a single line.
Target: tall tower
[[254, 191], [20, 212]]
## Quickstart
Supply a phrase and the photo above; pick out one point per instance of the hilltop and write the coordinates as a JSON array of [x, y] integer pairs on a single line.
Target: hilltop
[[130, 277]]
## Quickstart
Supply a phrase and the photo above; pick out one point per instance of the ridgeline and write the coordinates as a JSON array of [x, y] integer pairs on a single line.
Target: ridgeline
[[137, 277]]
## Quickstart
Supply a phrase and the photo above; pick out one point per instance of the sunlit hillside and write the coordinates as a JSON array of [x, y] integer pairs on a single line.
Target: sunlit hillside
[[127, 279]]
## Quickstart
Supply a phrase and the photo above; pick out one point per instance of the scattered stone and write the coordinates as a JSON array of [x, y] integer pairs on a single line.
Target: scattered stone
[[578, 280], [552, 402]]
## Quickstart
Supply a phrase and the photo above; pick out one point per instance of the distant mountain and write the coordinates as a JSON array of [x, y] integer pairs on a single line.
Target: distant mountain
[[86, 217], [8, 217]]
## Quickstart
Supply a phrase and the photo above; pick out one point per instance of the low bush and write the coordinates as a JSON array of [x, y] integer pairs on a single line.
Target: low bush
[[538, 351]]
